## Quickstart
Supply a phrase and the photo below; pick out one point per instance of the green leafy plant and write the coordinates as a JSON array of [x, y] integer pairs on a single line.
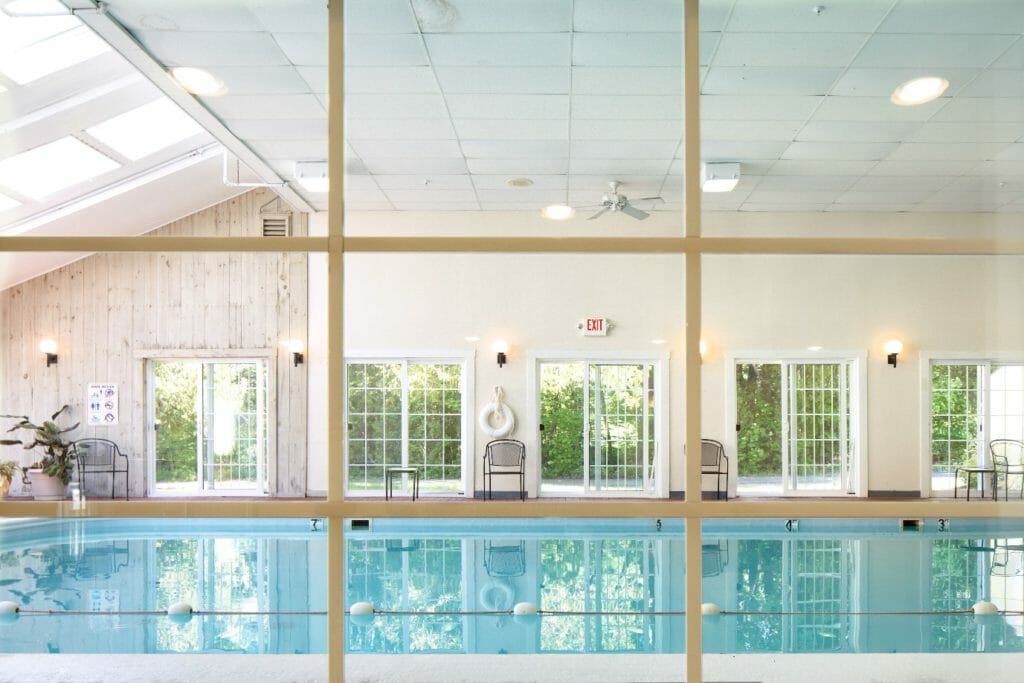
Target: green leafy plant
[[58, 460], [7, 469]]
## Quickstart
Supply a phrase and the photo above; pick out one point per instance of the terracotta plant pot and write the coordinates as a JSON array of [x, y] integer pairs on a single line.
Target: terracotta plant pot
[[45, 487], [5, 486]]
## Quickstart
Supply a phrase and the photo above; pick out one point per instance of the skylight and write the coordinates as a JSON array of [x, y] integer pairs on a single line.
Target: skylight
[[7, 203], [44, 170], [33, 47], [146, 129]]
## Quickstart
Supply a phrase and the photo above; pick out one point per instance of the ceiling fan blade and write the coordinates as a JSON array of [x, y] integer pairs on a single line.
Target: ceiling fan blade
[[600, 213], [648, 199], [634, 212]]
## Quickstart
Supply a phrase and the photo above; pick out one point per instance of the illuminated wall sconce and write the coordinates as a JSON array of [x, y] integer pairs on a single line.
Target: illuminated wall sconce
[[501, 348], [702, 347], [296, 347], [893, 347], [49, 349]]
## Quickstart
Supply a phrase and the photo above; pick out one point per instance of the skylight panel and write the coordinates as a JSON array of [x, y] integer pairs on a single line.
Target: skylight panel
[[40, 172], [146, 129], [33, 47], [7, 203]]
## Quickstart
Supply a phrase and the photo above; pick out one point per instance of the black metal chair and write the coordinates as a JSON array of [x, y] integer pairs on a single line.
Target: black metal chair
[[504, 457], [100, 456], [714, 461], [1008, 461]]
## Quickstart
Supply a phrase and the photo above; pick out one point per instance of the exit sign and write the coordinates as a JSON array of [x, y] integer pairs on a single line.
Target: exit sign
[[594, 327]]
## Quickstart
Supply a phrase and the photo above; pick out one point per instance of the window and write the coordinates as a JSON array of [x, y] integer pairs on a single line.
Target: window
[[406, 413]]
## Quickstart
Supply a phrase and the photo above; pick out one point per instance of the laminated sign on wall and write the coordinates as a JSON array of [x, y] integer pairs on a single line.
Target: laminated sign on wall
[[102, 405]]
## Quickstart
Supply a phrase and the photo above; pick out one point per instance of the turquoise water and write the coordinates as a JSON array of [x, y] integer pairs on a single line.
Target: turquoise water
[[603, 586]]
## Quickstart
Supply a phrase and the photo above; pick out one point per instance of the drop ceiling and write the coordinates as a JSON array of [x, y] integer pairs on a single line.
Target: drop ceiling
[[447, 101]]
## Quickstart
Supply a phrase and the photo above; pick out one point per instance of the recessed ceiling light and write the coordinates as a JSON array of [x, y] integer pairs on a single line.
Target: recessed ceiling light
[[146, 129], [197, 81], [519, 182], [44, 170], [7, 203], [558, 212], [721, 177], [919, 91], [815, 348]]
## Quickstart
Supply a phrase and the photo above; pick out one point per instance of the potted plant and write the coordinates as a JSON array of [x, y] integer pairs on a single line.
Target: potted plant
[[50, 476], [7, 470]]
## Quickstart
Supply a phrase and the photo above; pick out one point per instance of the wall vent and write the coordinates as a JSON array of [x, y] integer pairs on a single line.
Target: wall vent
[[277, 225]]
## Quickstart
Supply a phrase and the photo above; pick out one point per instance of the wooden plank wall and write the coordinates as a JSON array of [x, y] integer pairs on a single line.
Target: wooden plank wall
[[107, 310]]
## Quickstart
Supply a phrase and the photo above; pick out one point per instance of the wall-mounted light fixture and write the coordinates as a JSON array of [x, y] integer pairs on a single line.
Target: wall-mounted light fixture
[[49, 349], [893, 347], [702, 347], [501, 348], [296, 347]]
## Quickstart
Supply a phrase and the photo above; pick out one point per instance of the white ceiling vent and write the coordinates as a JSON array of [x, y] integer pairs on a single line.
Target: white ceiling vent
[[276, 218]]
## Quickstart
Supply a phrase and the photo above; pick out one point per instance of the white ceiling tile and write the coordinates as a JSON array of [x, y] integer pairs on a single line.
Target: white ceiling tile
[[870, 82], [1007, 109], [519, 16], [383, 149], [627, 129], [265, 107], [518, 167], [901, 169], [863, 151], [515, 149], [212, 49], [874, 109], [373, 195], [305, 49], [599, 183], [499, 49], [390, 79], [504, 79], [953, 16], [996, 83], [634, 80], [627, 106], [385, 50], [378, 16], [739, 150], [1012, 58], [292, 16], [357, 182], [508, 106], [676, 168], [421, 182], [787, 49], [146, 15], [628, 149], [768, 107], [289, 149], [1009, 169], [921, 183], [931, 51], [1014, 152], [970, 199], [266, 80], [629, 15], [938, 151], [785, 208], [315, 77], [901, 197], [808, 167], [760, 131], [708, 45], [627, 49], [870, 208], [278, 129], [713, 14], [523, 129], [857, 131], [395, 129], [540, 182], [730, 80], [938, 131], [614, 167], [324, 100], [986, 184], [394, 106], [780, 16], [390, 166], [429, 206], [812, 183], [526, 198], [433, 196], [759, 196]]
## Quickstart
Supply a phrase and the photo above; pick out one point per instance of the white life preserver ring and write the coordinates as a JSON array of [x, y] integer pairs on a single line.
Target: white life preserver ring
[[497, 597], [504, 428]]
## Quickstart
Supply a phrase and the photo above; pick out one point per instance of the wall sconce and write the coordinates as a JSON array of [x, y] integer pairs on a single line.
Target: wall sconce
[[702, 348], [500, 347], [296, 347], [49, 349], [893, 347]]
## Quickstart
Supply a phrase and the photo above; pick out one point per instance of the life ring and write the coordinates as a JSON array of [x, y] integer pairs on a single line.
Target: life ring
[[504, 428], [497, 597]]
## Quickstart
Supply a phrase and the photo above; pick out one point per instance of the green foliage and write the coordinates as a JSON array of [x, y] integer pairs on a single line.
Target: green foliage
[[48, 436], [759, 413], [176, 416], [954, 416], [561, 409]]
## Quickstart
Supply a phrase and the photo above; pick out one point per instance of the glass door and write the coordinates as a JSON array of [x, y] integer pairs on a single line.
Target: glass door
[[209, 426], [816, 428]]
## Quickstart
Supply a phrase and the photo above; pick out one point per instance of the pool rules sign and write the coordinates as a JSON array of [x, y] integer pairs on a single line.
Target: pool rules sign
[[594, 327]]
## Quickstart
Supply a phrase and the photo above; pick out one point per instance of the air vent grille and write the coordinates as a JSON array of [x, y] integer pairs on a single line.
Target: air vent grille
[[277, 225]]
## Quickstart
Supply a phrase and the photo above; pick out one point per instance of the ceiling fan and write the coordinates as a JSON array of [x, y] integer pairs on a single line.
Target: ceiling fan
[[613, 201]]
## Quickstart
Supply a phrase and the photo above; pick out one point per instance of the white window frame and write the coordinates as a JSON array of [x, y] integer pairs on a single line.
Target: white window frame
[[858, 410], [467, 360], [660, 360]]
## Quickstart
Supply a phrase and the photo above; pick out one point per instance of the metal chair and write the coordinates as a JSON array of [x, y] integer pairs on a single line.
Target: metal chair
[[504, 457], [714, 461], [100, 456], [1008, 460]]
